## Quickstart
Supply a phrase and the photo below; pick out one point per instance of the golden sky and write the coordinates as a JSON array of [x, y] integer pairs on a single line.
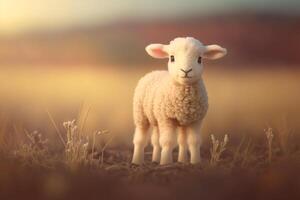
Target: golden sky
[[25, 15], [18, 15]]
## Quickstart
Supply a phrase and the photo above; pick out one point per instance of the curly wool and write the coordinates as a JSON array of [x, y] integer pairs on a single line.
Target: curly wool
[[158, 99]]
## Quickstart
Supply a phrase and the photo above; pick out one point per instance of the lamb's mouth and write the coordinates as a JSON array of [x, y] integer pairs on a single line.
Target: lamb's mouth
[[186, 77]]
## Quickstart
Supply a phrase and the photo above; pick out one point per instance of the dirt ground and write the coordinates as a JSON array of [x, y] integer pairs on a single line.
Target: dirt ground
[[244, 170], [117, 178]]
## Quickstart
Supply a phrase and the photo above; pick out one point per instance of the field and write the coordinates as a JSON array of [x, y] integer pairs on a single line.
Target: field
[[42, 158]]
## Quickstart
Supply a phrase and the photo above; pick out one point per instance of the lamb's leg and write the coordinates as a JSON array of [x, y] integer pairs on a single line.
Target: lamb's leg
[[155, 144], [167, 140], [140, 141], [182, 142], [194, 140]]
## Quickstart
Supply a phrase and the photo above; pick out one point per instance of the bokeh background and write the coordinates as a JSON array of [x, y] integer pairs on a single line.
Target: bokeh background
[[57, 55]]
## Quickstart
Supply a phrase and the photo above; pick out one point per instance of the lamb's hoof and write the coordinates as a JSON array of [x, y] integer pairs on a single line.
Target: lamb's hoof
[[134, 162], [182, 160], [195, 161], [133, 165], [155, 162], [164, 162], [137, 160]]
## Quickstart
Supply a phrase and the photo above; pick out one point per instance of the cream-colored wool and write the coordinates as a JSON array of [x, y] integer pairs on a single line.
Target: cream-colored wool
[[171, 100], [158, 99]]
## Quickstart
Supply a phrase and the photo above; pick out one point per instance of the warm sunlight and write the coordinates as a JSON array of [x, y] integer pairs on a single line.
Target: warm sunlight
[[88, 112], [20, 15], [17, 16]]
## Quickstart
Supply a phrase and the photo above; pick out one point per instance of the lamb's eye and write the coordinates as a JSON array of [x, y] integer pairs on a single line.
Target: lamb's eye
[[199, 59], [172, 58]]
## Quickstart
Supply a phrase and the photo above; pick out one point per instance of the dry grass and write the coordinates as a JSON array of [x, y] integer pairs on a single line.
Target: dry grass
[[244, 154], [34, 152], [218, 147], [239, 101], [270, 136], [83, 159], [70, 160]]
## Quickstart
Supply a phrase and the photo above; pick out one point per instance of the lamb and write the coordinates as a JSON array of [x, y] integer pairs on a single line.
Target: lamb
[[173, 100]]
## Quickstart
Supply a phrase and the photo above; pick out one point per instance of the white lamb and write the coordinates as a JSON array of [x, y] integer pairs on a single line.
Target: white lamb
[[171, 100]]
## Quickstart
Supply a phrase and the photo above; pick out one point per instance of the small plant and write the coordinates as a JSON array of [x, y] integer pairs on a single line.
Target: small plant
[[244, 153], [35, 151], [76, 148], [270, 136], [218, 147], [285, 136], [77, 144]]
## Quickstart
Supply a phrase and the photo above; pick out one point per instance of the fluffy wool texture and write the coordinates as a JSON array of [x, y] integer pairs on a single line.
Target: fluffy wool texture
[[159, 99], [173, 100]]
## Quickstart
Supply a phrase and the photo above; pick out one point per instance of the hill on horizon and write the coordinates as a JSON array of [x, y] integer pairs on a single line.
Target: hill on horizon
[[250, 39]]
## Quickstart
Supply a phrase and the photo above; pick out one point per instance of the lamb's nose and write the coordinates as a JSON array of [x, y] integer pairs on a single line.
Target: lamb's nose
[[186, 71]]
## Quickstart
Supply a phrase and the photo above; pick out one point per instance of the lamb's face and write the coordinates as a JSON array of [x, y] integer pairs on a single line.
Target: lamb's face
[[185, 57], [185, 60]]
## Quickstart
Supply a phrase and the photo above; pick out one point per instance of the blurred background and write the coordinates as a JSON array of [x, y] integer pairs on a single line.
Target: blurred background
[[56, 55]]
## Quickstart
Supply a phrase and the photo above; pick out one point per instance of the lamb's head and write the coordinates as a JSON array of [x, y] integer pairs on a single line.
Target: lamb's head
[[185, 57]]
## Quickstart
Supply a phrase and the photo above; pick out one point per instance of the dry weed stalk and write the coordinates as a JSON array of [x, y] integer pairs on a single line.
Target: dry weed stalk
[[285, 136], [35, 152], [76, 149], [270, 136], [104, 148], [76, 143], [243, 155], [96, 133], [4, 144], [218, 147]]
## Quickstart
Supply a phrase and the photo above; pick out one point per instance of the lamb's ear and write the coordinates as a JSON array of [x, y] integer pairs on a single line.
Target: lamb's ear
[[157, 50], [214, 52]]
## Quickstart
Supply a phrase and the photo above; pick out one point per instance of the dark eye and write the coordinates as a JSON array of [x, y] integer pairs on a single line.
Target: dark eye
[[199, 60], [172, 58]]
